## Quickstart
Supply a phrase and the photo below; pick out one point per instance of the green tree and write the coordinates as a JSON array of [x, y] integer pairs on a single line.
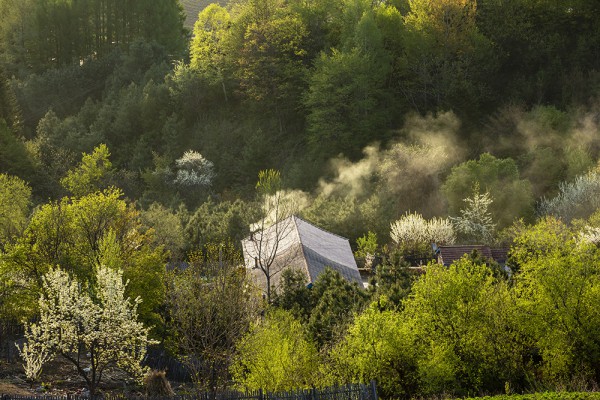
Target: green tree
[[275, 355], [334, 300], [75, 320], [167, 226], [366, 248], [80, 233], [207, 49], [15, 200], [294, 295], [347, 97], [219, 222], [392, 281], [9, 108], [446, 58], [558, 288], [500, 177], [14, 157], [268, 39], [533, 241], [94, 173], [378, 346], [346, 103], [56, 33], [463, 322], [544, 48]]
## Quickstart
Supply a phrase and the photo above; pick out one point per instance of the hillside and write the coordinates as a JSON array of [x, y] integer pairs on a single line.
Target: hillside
[[193, 7]]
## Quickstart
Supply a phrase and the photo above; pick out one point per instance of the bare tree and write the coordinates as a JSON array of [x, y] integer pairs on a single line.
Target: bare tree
[[211, 309], [271, 246]]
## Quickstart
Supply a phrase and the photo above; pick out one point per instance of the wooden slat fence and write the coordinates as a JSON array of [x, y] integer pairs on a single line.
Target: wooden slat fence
[[347, 392]]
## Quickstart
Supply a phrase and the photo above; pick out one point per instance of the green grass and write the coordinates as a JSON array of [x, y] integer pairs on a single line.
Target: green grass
[[193, 7], [545, 396]]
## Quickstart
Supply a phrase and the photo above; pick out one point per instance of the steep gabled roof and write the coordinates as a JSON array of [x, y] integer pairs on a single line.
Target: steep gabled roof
[[305, 247]]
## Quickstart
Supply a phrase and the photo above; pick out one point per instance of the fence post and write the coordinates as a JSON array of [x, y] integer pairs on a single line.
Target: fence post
[[260, 394], [313, 394], [374, 389]]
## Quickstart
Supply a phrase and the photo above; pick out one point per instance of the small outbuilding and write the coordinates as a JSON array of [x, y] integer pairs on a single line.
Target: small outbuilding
[[447, 255]]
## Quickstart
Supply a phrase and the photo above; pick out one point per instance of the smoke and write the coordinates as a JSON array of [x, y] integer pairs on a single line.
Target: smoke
[[351, 179], [408, 173], [404, 176], [549, 145], [280, 205]]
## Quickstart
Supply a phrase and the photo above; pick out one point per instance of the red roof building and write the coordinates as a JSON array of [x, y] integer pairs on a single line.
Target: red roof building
[[447, 255]]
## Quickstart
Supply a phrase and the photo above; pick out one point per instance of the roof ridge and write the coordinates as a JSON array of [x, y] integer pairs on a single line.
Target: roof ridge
[[304, 259], [319, 228]]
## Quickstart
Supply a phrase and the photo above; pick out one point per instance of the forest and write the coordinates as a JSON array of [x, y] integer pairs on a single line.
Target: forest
[[131, 144]]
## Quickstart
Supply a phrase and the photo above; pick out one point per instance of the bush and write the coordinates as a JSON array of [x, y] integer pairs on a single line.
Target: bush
[[157, 385]]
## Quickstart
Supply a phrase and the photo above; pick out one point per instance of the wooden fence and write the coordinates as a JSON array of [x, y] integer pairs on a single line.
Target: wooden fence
[[347, 392], [9, 332]]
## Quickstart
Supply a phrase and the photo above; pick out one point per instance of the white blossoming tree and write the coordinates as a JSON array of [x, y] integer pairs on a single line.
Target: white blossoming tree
[[413, 233], [577, 199], [193, 170], [475, 223], [96, 333]]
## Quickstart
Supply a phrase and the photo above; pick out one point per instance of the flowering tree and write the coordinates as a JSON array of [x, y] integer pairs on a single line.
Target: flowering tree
[[475, 222], [413, 232], [194, 170], [577, 199], [95, 333]]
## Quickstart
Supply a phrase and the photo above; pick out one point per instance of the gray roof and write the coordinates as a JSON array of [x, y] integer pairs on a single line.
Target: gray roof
[[296, 243], [316, 263]]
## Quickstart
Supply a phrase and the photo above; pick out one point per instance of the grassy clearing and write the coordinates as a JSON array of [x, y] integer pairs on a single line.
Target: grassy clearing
[[193, 7]]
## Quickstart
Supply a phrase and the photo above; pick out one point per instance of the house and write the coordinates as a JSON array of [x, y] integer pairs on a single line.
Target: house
[[296, 244], [447, 255]]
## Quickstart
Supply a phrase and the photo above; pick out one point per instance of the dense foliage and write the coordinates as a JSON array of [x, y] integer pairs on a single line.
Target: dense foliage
[[130, 142]]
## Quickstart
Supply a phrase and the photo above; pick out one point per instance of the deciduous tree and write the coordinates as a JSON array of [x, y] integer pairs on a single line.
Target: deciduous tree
[[413, 233], [208, 48], [500, 177], [272, 230], [558, 289], [15, 199], [94, 173], [378, 346], [275, 355], [211, 306], [475, 223], [94, 329], [465, 329], [78, 234]]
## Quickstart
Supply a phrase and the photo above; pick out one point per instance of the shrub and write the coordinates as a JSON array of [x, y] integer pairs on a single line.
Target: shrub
[[157, 385]]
